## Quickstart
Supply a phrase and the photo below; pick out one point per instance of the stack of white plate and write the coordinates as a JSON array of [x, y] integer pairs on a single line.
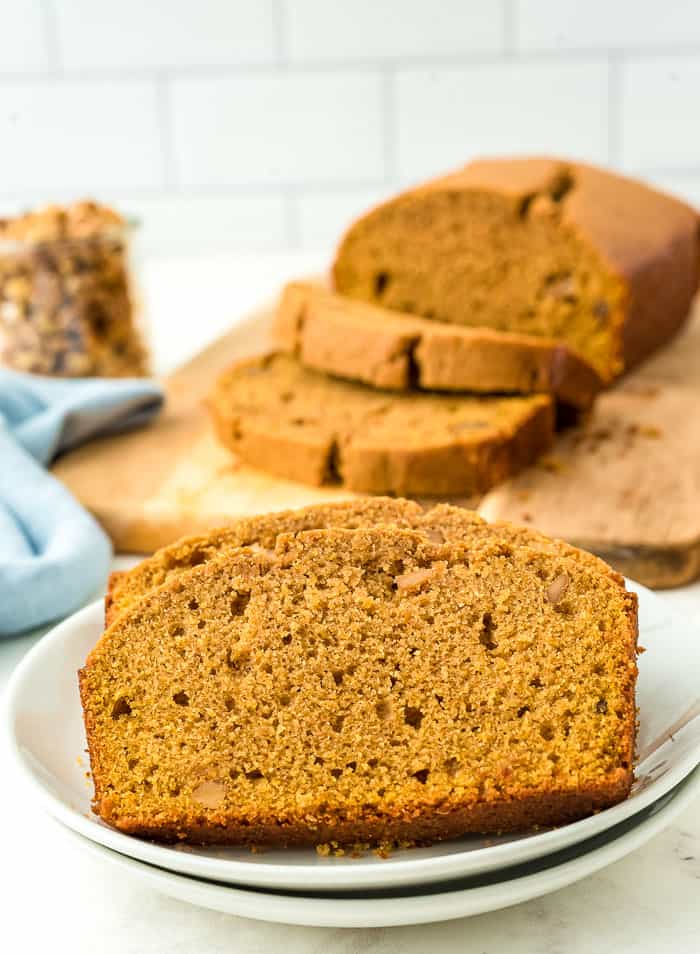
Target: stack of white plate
[[449, 880]]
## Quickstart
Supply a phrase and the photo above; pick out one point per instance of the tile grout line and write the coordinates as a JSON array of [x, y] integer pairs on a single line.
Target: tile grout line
[[351, 68], [292, 219], [292, 189], [510, 28], [165, 133], [614, 109], [556, 58], [50, 32], [280, 31], [390, 130], [295, 189]]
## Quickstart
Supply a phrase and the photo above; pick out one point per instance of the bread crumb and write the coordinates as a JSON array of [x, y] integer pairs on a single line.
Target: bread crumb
[[330, 848]]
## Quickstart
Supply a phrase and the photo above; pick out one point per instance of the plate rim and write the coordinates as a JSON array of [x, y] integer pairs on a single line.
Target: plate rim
[[405, 871], [415, 908]]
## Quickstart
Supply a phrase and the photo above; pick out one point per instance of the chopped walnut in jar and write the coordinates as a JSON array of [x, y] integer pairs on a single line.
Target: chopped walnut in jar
[[66, 299]]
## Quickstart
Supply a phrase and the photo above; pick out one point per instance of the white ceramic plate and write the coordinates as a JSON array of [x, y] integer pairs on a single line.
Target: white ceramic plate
[[442, 902], [46, 735]]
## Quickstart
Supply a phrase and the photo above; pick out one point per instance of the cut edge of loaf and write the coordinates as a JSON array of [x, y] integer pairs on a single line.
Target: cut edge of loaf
[[257, 531], [398, 351], [545, 810], [440, 521], [654, 265], [466, 464]]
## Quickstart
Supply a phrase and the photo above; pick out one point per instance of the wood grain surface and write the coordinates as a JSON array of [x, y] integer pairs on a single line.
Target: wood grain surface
[[626, 484], [151, 486]]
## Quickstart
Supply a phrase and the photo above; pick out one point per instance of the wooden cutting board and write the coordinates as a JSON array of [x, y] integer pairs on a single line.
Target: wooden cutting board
[[626, 485], [151, 486]]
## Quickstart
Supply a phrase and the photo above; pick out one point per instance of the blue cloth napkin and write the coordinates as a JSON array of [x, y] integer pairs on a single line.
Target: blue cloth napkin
[[53, 554]]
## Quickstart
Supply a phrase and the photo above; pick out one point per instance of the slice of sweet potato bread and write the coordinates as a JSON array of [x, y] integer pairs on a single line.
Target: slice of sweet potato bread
[[393, 350], [281, 417], [127, 586], [443, 523], [364, 685]]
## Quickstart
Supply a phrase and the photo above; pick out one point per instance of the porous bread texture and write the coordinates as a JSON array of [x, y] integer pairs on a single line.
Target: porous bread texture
[[364, 686], [298, 423], [396, 351], [442, 523], [127, 586], [535, 246]]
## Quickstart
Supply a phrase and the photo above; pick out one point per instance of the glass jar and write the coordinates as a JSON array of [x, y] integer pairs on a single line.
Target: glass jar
[[68, 304]]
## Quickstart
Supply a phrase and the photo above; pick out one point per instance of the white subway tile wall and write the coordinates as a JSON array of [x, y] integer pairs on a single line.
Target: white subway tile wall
[[323, 216], [366, 30], [237, 222], [155, 34], [275, 130], [446, 115], [67, 133], [658, 101], [604, 25], [23, 39], [269, 124]]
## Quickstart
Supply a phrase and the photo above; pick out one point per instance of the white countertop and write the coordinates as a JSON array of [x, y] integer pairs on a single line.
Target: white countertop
[[54, 897]]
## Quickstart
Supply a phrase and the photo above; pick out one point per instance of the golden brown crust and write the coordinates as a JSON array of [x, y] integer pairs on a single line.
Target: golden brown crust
[[651, 240], [303, 425], [641, 249], [97, 768], [397, 351], [113, 583], [542, 810], [443, 521], [125, 588], [562, 614], [451, 468]]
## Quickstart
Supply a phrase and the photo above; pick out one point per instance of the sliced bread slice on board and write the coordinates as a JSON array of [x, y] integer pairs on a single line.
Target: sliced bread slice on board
[[624, 484], [298, 423], [397, 351]]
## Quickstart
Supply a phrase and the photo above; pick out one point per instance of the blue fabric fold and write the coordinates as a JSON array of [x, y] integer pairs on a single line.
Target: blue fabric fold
[[53, 554]]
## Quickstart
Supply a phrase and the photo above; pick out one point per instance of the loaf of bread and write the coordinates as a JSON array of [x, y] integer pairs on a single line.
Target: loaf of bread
[[298, 423], [366, 685], [396, 351], [441, 523], [533, 246]]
